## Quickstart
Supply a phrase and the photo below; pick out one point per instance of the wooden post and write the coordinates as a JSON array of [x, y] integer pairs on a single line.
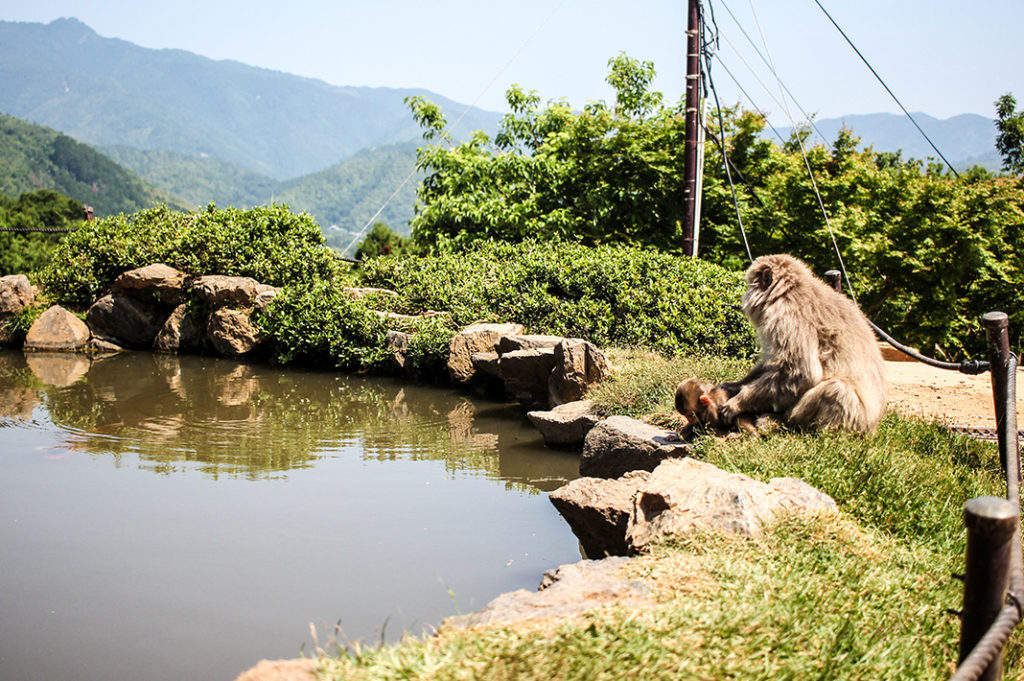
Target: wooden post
[[997, 325], [835, 280], [691, 156], [991, 522]]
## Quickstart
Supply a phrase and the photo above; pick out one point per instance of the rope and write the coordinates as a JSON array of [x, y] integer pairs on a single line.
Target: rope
[[894, 97], [45, 230], [972, 366]]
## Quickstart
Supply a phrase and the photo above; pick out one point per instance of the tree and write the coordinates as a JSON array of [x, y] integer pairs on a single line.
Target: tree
[[608, 173], [382, 240], [1010, 140], [28, 252]]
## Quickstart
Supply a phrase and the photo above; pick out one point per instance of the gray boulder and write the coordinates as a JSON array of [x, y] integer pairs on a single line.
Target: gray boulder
[[598, 511], [59, 330], [565, 591], [218, 290], [361, 292], [16, 293], [620, 444], [526, 342], [682, 496], [127, 321], [486, 364], [397, 342], [526, 374], [232, 333], [475, 338], [567, 424], [153, 281], [182, 332], [579, 364]]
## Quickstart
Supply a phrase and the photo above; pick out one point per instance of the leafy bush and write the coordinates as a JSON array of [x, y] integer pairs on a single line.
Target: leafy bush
[[268, 243], [611, 295], [320, 324], [317, 323]]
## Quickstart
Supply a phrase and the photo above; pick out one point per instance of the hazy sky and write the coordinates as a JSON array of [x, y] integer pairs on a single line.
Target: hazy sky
[[938, 56]]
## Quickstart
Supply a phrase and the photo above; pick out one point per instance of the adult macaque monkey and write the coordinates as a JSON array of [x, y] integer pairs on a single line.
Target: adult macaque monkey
[[820, 365], [700, 403]]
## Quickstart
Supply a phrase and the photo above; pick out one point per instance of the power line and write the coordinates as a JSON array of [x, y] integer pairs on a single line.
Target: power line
[[894, 97], [483, 91]]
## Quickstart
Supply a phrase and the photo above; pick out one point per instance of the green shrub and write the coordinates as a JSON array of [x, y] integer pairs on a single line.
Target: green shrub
[[318, 323], [611, 295], [268, 243]]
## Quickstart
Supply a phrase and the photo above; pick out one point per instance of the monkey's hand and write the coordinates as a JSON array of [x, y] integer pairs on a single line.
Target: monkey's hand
[[728, 412]]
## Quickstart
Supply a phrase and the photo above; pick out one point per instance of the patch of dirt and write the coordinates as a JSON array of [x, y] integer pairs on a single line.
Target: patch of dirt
[[949, 397]]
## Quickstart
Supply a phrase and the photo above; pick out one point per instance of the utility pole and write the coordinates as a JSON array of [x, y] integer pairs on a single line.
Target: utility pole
[[691, 157]]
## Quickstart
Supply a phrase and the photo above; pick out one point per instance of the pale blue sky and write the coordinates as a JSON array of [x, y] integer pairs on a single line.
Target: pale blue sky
[[940, 57]]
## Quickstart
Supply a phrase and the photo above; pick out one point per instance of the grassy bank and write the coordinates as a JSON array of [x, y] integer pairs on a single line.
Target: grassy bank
[[861, 596]]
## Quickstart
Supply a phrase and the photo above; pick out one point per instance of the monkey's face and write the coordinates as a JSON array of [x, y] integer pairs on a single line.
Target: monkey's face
[[694, 400]]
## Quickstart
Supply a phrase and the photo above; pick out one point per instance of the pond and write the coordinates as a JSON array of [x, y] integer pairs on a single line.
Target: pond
[[182, 518]]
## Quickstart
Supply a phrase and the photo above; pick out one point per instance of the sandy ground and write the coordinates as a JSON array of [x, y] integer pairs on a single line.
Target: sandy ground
[[950, 397]]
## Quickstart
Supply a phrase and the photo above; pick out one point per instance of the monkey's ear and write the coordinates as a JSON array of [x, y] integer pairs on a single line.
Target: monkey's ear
[[761, 277], [705, 399]]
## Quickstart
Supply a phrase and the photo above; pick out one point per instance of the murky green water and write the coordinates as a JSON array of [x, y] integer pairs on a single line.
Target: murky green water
[[165, 518]]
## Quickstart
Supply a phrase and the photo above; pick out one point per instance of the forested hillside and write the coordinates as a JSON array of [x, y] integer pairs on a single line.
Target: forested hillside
[[33, 157], [105, 91], [342, 198]]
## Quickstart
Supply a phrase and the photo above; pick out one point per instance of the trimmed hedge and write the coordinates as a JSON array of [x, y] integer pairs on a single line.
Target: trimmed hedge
[[268, 243], [608, 294]]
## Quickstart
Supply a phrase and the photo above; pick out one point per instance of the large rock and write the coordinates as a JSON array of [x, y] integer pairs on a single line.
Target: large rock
[[127, 321], [620, 444], [526, 342], [397, 343], [567, 424], [232, 333], [153, 281], [475, 338], [579, 364], [218, 290], [526, 374], [16, 293], [182, 332], [57, 329], [598, 511], [682, 496], [565, 591]]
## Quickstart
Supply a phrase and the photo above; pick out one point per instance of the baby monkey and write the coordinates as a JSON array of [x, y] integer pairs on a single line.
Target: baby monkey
[[700, 402]]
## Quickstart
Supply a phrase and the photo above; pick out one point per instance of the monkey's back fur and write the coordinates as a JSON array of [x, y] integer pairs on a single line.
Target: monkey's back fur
[[820, 364]]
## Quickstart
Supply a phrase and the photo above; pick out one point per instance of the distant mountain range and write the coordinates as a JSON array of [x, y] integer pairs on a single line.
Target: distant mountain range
[[200, 130], [965, 140], [105, 91]]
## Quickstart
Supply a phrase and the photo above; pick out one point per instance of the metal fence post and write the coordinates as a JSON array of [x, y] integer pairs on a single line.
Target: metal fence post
[[990, 522]]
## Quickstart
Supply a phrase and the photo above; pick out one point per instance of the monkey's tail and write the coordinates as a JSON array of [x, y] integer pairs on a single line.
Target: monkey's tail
[[833, 403]]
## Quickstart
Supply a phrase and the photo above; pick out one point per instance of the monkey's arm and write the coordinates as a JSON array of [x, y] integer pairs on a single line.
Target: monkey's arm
[[789, 367]]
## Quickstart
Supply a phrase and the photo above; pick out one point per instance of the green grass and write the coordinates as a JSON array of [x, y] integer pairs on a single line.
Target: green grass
[[859, 596]]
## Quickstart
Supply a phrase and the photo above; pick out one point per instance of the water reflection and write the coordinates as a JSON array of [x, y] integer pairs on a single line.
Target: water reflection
[[229, 418]]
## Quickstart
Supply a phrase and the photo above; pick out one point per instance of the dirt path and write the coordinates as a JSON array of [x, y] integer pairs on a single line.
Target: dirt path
[[951, 397]]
